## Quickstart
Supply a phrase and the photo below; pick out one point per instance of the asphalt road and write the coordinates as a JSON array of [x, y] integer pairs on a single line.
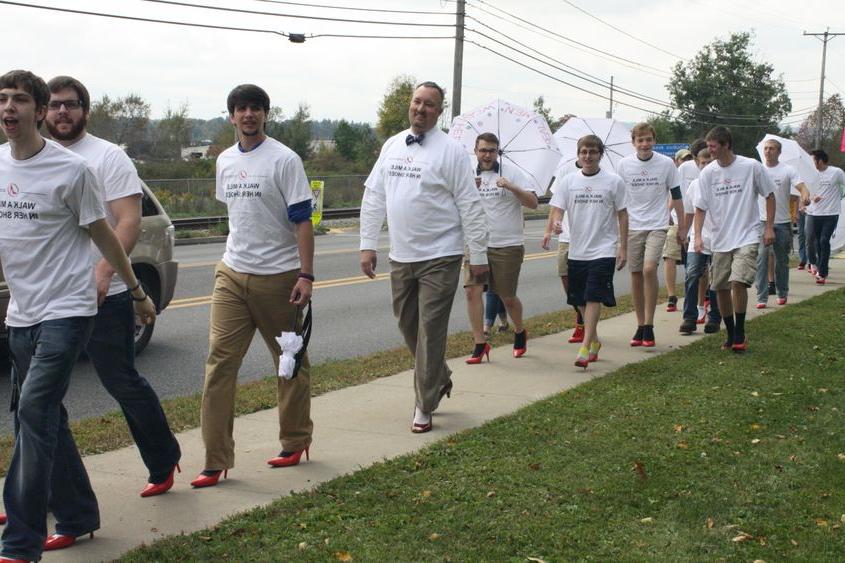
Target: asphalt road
[[352, 317]]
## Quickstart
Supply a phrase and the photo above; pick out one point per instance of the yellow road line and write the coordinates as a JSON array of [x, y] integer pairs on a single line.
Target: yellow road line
[[339, 282], [317, 253]]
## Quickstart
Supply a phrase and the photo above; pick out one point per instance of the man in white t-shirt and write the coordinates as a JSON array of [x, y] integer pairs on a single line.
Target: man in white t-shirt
[[785, 179], [50, 211], [695, 309], [650, 179], [111, 346], [592, 201], [422, 184], [563, 248], [263, 282], [728, 193], [503, 195], [823, 214]]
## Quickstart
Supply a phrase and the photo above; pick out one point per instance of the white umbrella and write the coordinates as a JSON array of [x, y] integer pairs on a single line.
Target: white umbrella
[[525, 140], [792, 154], [615, 135]]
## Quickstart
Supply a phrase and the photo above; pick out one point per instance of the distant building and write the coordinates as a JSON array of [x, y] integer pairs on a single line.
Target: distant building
[[316, 145], [195, 153]]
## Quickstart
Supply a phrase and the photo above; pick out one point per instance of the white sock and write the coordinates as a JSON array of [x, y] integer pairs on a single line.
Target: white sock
[[420, 417], [700, 311]]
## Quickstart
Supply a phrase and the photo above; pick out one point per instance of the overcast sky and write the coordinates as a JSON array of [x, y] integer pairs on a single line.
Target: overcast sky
[[346, 77]]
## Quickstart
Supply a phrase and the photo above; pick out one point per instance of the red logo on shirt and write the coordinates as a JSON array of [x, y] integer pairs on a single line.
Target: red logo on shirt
[[12, 190], [243, 174], [643, 172], [409, 159], [588, 189]]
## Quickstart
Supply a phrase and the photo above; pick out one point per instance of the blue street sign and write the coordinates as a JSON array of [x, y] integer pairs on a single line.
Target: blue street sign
[[669, 149]]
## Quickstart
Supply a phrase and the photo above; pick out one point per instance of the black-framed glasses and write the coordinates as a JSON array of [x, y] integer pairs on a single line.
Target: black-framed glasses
[[56, 105], [488, 151]]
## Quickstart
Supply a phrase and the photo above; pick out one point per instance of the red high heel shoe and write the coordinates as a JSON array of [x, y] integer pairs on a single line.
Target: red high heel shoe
[[10, 560], [520, 343], [61, 541], [2, 519], [153, 489], [484, 351], [286, 459], [204, 480]]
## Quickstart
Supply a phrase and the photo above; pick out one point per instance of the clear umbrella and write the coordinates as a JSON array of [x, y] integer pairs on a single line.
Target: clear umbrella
[[615, 135], [525, 140]]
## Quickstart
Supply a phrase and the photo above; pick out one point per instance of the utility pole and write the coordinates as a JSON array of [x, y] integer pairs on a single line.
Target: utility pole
[[825, 37], [610, 111], [457, 73]]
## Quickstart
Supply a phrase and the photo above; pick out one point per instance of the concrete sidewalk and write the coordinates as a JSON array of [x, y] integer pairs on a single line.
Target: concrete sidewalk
[[355, 427]]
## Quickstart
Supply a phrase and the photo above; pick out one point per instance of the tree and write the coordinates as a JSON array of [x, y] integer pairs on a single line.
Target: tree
[[356, 143], [296, 132], [666, 129], [540, 108], [723, 85], [393, 110], [171, 133], [123, 121], [833, 121], [346, 139]]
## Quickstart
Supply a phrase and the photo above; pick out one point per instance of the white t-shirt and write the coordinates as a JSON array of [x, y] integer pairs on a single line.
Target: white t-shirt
[[505, 221], [730, 194], [706, 228], [429, 196], [590, 205], [785, 179], [687, 172], [648, 184], [832, 190], [563, 171], [46, 202], [257, 187], [117, 178]]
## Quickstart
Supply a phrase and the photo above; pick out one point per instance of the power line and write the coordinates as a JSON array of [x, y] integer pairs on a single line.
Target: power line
[[377, 10], [596, 80], [569, 39], [275, 14], [622, 31]]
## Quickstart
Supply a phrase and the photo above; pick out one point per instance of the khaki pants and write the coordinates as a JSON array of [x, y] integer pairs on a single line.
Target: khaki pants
[[241, 303], [422, 300]]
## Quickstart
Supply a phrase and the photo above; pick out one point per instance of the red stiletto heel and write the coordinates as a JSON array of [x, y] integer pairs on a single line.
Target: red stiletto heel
[[153, 489], [520, 343], [479, 353], [287, 459], [2, 519], [209, 478], [61, 541]]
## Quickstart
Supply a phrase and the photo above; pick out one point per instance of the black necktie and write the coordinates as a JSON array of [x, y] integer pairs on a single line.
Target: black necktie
[[411, 139]]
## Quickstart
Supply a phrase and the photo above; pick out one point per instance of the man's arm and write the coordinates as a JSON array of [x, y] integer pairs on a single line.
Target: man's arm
[[699, 224], [304, 287], [473, 218], [555, 216], [127, 214], [805, 193], [769, 233], [103, 236], [622, 250], [526, 198], [678, 206], [372, 215]]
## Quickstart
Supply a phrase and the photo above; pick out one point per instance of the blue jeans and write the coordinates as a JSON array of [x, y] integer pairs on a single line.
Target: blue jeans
[[493, 307], [820, 229], [783, 240], [802, 237], [697, 264], [112, 351], [42, 359]]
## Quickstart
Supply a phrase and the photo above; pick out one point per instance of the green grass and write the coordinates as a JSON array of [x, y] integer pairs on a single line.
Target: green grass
[[697, 454], [109, 432]]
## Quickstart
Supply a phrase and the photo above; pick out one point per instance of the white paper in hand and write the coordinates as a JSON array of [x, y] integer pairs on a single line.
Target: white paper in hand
[[290, 343]]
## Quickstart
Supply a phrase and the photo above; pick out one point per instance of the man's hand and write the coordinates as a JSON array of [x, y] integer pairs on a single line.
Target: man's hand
[[504, 183], [145, 310], [769, 236], [301, 293], [621, 257], [103, 273], [478, 271], [547, 238], [699, 246], [369, 259], [806, 202], [679, 236], [817, 199]]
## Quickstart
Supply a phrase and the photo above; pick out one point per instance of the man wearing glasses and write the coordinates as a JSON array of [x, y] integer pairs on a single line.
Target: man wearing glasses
[[503, 195]]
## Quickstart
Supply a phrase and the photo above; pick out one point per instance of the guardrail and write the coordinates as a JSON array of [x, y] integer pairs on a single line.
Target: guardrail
[[339, 213]]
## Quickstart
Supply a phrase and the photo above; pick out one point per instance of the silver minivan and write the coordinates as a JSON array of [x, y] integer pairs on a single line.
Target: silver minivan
[[152, 260]]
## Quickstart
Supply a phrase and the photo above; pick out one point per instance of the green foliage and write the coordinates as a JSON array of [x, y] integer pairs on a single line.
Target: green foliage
[[833, 121], [296, 132], [723, 81], [668, 130], [540, 108], [171, 133], [393, 110], [356, 143], [122, 121]]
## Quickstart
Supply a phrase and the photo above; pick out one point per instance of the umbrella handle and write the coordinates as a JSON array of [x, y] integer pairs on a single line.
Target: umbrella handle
[[305, 333]]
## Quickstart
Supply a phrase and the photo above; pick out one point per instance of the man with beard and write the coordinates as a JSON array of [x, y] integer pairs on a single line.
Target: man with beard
[[111, 347]]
